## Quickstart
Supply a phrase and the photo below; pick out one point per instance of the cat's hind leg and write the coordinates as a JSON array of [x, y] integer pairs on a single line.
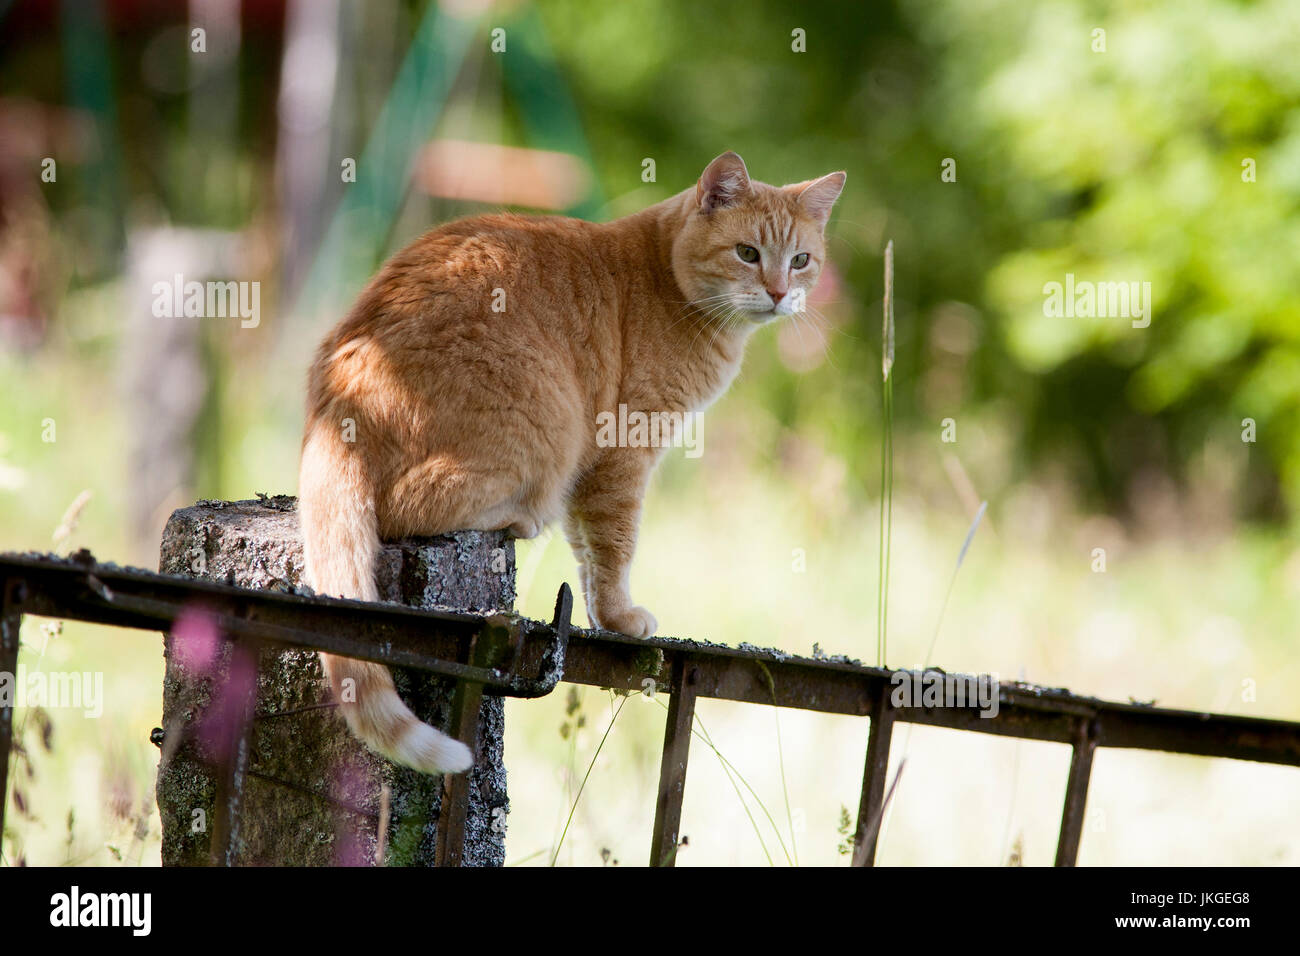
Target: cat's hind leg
[[440, 495]]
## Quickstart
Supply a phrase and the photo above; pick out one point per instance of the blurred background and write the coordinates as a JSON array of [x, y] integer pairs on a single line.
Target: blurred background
[[1001, 146]]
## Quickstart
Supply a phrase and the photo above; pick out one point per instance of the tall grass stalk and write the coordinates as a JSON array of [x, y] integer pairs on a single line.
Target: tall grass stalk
[[780, 756], [728, 768], [952, 580], [886, 458], [571, 768], [556, 855], [61, 537], [1011, 805], [785, 788], [732, 774], [524, 859], [874, 825], [943, 608]]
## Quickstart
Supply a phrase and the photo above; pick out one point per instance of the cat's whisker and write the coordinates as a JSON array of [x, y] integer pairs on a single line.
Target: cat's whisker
[[706, 298], [712, 315], [727, 314], [696, 306], [695, 338], [820, 328], [730, 322], [831, 326]]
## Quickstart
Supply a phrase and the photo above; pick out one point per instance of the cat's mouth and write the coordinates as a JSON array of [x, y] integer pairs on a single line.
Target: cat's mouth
[[750, 307], [750, 310]]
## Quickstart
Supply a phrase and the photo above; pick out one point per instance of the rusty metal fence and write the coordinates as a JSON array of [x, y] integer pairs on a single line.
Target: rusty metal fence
[[514, 656]]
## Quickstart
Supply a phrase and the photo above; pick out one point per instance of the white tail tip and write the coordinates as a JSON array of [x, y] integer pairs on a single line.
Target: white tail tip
[[426, 749]]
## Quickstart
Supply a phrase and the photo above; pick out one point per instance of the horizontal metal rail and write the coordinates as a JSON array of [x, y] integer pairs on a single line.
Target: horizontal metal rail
[[511, 655]]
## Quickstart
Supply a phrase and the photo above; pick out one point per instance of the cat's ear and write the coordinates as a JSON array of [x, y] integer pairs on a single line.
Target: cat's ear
[[723, 183], [817, 197]]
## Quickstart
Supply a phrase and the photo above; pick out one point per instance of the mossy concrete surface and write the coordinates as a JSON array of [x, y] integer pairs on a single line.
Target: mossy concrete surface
[[314, 794]]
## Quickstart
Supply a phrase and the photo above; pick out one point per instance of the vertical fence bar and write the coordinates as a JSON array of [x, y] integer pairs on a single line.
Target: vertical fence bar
[[873, 779], [487, 649], [491, 647], [672, 770], [1076, 793], [450, 847], [11, 620], [240, 693]]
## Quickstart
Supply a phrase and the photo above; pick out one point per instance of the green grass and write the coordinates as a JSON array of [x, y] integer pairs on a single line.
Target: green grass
[[1185, 621], [1020, 604], [559, 844]]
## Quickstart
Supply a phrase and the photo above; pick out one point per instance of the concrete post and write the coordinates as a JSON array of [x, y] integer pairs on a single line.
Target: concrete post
[[315, 796]]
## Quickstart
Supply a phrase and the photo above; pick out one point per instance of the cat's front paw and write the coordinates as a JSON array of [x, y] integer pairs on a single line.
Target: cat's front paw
[[633, 621]]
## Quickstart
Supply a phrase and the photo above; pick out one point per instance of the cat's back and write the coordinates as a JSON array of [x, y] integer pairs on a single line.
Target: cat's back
[[487, 291], [501, 248], [500, 263]]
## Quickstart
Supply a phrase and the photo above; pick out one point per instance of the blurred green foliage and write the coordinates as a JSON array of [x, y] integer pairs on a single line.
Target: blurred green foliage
[[1122, 164]]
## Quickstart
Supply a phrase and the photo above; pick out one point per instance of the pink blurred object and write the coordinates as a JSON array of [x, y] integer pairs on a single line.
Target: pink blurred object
[[197, 646], [804, 340], [349, 789], [196, 643], [501, 175], [221, 725]]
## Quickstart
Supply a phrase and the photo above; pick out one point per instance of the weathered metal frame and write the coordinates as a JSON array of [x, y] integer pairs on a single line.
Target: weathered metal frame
[[514, 656]]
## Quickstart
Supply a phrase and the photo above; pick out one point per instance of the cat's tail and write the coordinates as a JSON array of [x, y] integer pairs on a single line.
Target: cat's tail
[[340, 543]]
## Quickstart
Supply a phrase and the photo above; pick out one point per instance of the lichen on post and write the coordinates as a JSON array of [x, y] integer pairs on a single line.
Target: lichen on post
[[315, 796]]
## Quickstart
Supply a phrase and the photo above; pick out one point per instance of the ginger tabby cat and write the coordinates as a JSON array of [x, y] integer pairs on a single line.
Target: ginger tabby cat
[[469, 417]]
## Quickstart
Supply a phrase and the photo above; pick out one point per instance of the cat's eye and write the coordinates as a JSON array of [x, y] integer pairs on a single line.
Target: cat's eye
[[799, 261], [747, 253]]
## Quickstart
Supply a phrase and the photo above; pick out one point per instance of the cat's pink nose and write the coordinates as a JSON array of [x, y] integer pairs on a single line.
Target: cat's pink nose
[[776, 295]]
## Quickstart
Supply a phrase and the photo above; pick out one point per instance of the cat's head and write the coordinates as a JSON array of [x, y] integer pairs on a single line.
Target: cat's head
[[750, 248]]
